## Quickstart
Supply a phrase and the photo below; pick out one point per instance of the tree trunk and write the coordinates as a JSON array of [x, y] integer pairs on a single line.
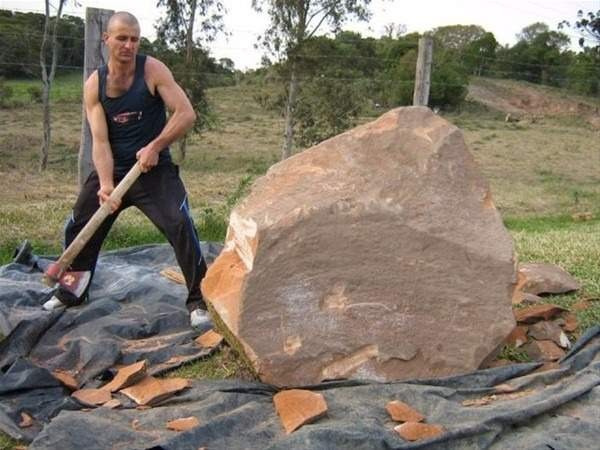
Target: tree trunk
[[43, 161], [189, 47], [288, 142], [47, 80], [47, 128]]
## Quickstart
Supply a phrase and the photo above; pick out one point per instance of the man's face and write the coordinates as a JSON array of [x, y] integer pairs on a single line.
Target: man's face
[[123, 41]]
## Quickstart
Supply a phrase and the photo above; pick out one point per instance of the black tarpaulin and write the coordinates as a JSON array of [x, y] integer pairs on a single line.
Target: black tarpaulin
[[557, 409]]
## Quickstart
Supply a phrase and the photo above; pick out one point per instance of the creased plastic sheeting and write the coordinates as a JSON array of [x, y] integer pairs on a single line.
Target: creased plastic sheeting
[[559, 409], [133, 313]]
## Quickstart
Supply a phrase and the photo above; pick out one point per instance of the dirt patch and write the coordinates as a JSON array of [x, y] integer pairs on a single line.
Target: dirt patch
[[528, 101]]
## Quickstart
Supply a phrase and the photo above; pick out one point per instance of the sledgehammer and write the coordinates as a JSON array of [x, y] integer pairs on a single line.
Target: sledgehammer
[[55, 273]]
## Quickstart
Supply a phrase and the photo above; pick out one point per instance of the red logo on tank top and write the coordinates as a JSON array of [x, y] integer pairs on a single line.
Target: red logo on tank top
[[127, 117]]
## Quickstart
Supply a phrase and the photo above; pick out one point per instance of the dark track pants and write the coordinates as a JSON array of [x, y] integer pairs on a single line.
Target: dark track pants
[[161, 196]]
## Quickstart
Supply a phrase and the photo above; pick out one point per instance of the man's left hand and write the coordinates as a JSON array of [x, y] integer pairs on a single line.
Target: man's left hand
[[147, 157]]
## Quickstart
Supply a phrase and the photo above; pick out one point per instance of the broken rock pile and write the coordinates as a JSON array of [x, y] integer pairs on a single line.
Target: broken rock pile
[[377, 254]]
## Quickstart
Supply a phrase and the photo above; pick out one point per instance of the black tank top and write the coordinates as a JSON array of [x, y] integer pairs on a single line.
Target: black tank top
[[134, 119]]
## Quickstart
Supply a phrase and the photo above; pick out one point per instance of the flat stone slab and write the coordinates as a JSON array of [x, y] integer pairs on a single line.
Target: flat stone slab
[[183, 424], [535, 313], [401, 412], [297, 407], [210, 339], [126, 376], [543, 351], [92, 397], [544, 278], [416, 431], [151, 391]]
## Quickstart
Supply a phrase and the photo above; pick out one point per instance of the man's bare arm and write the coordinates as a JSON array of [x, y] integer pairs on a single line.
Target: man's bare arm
[[101, 151], [182, 116]]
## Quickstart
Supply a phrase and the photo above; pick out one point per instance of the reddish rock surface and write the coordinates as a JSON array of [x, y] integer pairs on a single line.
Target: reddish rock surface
[[92, 397], [209, 339], [401, 412], [543, 278], [415, 431], [570, 323], [532, 314], [297, 407], [543, 351], [67, 379], [345, 260], [549, 331], [517, 337], [152, 390], [112, 404], [126, 376], [183, 424]]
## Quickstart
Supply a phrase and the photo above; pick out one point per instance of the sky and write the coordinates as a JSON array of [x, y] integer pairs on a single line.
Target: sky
[[504, 18]]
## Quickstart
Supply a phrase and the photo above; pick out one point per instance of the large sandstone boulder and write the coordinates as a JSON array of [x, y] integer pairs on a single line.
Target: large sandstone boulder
[[376, 254]]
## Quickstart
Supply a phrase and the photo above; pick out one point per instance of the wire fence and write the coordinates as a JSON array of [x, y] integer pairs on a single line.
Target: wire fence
[[373, 72]]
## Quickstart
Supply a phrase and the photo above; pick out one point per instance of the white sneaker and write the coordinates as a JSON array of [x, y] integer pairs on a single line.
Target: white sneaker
[[53, 304], [200, 319]]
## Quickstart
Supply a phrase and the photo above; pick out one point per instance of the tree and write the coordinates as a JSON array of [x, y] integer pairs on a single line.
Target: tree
[[293, 23], [584, 72], [394, 30], [588, 24], [457, 37], [177, 28], [540, 56], [480, 54], [48, 77]]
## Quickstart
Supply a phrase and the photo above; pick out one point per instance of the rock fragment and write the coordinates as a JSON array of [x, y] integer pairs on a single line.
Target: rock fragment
[[183, 424], [401, 412], [532, 314], [297, 407], [151, 391], [415, 431], [92, 397], [544, 278], [126, 376]]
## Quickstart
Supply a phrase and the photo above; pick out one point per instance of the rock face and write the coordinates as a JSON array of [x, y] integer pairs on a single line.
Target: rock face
[[376, 254]]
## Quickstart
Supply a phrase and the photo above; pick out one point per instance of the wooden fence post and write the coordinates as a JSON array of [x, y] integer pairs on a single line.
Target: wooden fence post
[[95, 55], [423, 75]]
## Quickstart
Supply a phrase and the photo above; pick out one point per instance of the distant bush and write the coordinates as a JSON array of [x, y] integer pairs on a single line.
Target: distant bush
[[6, 93], [35, 94]]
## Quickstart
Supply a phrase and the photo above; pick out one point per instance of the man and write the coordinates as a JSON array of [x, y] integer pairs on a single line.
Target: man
[[125, 106]]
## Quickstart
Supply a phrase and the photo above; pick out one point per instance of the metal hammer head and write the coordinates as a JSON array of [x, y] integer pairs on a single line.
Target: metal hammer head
[[75, 282]]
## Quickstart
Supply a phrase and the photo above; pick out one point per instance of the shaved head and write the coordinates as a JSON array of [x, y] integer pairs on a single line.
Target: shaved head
[[122, 17]]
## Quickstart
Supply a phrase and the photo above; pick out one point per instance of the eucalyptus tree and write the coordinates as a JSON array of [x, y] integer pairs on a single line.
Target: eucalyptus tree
[[49, 45], [177, 28], [292, 24]]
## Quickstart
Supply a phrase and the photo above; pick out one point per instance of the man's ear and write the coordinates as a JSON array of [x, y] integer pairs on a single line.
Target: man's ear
[[104, 36]]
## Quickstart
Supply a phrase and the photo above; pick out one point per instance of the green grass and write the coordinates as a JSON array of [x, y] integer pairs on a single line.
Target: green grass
[[574, 246], [514, 354], [67, 88], [222, 364], [8, 443]]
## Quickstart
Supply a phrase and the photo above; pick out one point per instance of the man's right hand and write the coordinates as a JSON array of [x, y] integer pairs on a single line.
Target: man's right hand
[[104, 195]]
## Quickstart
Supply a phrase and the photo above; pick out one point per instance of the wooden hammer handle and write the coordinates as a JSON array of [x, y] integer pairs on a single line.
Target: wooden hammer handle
[[96, 220]]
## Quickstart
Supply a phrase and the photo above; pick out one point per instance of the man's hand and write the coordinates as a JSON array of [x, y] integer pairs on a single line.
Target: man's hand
[[103, 197], [147, 157]]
